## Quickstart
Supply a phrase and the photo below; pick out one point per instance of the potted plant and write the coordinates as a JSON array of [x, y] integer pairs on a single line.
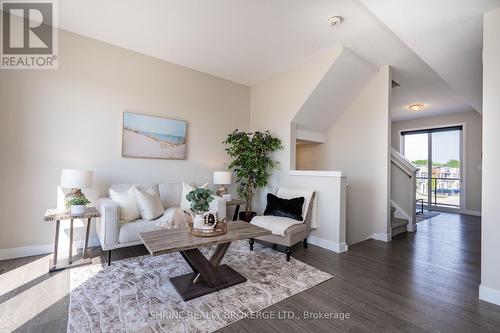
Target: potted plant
[[78, 205], [252, 163], [200, 199]]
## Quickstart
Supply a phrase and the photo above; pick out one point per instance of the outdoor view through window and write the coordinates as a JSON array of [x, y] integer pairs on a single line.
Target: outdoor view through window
[[437, 153]]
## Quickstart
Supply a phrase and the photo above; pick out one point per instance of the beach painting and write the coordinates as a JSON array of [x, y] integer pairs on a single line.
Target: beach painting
[[153, 137]]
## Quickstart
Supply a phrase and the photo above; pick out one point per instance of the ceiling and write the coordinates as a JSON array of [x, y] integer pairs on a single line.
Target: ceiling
[[248, 41], [446, 34]]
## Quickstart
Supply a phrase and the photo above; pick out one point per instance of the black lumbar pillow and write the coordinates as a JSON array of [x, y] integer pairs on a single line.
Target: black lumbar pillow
[[291, 208]]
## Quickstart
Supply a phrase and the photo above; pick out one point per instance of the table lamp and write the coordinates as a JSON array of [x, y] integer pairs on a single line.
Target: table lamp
[[222, 178], [75, 180]]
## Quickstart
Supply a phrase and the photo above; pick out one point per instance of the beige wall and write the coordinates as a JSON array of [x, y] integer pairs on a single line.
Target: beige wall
[[358, 143], [490, 245], [72, 118], [473, 135], [274, 103], [402, 193], [306, 156]]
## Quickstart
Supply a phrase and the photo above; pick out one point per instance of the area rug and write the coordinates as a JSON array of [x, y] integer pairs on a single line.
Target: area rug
[[135, 295], [426, 215]]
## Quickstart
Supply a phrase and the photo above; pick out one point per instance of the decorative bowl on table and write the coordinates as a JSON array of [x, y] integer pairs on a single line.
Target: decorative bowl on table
[[211, 227]]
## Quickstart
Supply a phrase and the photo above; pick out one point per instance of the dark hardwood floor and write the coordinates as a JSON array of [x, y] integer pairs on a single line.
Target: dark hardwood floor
[[422, 282]]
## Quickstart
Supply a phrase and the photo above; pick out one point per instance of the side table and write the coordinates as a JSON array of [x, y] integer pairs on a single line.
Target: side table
[[237, 203], [58, 216]]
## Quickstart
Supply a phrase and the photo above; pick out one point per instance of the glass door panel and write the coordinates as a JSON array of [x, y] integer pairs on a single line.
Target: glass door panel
[[416, 149], [446, 169]]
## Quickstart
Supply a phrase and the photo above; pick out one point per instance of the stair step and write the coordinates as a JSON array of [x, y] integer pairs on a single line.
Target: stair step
[[396, 223], [398, 226]]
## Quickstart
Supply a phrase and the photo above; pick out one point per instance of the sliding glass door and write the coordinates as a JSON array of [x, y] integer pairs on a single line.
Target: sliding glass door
[[437, 152], [416, 149]]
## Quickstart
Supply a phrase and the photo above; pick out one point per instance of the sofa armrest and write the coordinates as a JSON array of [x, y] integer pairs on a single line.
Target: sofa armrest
[[107, 226], [218, 205]]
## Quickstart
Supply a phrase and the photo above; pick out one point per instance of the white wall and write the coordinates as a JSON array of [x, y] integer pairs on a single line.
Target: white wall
[[401, 194], [72, 118], [358, 143], [330, 190], [473, 134], [490, 245], [274, 103]]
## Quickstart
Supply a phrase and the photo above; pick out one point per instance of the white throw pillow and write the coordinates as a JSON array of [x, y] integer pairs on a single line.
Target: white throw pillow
[[186, 188], [149, 203], [128, 204]]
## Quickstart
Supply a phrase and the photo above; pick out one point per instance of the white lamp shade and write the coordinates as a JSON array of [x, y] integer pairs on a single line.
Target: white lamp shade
[[222, 177], [71, 178]]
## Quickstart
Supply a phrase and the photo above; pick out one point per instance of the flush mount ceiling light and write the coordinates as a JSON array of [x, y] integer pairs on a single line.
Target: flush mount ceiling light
[[335, 20], [416, 107]]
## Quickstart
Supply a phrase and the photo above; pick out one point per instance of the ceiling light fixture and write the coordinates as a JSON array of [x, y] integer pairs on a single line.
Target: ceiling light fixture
[[335, 20], [416, 107]]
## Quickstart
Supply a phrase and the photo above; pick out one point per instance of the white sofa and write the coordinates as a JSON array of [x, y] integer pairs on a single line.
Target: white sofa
[[112, 234]]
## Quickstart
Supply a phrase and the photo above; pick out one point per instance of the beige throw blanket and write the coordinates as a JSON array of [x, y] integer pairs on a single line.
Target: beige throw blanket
[[276, 224], [174, 218]]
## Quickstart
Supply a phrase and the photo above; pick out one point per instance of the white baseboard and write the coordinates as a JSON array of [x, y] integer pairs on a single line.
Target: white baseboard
[[489, 294], [326, 244], [27, 251], [410, 227], [381, 237], [471, 212]]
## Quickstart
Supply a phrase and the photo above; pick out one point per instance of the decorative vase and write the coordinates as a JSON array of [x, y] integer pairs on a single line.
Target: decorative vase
[[198, 221], [78, 209]]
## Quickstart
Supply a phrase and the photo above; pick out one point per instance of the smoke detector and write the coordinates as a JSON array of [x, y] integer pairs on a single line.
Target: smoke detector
[[335, 20]]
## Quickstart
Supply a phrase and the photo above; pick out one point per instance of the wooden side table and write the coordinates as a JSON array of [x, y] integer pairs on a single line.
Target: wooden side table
[[237, 203], [58, 216]]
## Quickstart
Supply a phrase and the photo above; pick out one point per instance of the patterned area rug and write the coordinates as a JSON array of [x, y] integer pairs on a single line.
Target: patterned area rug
[[135, 295]]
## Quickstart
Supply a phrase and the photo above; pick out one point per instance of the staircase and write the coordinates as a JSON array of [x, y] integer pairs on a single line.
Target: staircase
[[398, 226], [403, 194]]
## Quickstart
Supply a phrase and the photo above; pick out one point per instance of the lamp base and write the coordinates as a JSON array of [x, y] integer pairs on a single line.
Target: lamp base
[[221, 191], [74, 193]]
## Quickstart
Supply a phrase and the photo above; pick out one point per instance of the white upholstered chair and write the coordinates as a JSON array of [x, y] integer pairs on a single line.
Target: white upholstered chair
[[287, 231]]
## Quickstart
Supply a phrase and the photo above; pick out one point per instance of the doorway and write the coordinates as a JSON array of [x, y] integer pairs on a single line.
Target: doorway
[[437, 152]]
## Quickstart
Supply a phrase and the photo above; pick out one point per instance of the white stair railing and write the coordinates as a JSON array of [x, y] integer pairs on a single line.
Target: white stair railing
[[403, 163], [403, 189]]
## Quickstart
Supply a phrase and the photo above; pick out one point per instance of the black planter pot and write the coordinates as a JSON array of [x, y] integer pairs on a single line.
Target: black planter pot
[[247, 217]]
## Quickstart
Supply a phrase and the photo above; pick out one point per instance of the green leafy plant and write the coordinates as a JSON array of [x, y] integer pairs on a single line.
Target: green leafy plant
[[200, 199], [78, 201], [252, 163]]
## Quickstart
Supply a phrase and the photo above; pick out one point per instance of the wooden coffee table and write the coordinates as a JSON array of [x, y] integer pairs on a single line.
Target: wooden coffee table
[[208, 275]]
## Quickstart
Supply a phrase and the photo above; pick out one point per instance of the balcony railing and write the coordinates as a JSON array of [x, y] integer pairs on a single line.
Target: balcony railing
[[444, 191]]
